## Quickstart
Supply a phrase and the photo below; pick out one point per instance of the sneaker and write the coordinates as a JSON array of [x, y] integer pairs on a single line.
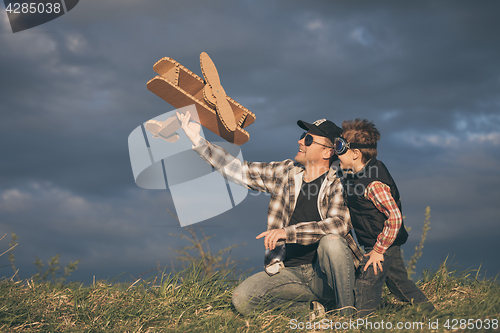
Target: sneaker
[[318, 311]]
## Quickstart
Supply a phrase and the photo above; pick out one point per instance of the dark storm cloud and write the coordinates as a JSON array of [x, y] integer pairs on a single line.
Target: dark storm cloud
[[72, 90]]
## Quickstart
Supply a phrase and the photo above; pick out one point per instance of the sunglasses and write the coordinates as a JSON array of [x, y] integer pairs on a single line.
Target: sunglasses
[[341, 146], [309, 140]]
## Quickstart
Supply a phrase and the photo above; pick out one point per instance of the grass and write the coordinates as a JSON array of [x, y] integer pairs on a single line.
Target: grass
[[198, 299], [191, 301]]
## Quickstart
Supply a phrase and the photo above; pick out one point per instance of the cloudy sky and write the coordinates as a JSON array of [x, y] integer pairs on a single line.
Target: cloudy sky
[[72, 90]]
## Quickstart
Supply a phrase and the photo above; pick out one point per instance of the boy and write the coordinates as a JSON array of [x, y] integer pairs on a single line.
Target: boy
[[375, 208]]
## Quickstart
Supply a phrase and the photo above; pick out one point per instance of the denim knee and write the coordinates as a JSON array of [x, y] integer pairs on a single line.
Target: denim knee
[[240, 300], [332, 244]]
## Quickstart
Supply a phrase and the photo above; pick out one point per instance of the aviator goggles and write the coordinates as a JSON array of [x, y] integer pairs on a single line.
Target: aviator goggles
[[341, 146], [309, 140]]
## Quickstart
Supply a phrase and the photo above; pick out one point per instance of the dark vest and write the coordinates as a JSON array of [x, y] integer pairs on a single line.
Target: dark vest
[[367, 220]]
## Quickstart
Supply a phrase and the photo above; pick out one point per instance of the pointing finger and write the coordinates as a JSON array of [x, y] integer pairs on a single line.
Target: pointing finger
[[262, 234]]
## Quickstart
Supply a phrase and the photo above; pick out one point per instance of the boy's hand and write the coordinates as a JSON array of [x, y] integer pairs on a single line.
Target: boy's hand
[[272, 236], [376, 259]]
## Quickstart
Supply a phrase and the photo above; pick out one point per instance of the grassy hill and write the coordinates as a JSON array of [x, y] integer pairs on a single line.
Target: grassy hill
[[191, 301], [198, 299]]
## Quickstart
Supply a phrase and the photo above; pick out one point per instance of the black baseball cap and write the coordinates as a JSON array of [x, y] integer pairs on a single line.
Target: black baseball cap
[[322, 127]]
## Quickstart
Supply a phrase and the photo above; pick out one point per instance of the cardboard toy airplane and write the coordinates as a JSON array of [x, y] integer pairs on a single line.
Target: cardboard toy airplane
[[216, 111]]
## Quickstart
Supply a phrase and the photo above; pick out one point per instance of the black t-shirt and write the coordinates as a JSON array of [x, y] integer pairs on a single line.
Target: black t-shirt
[[306, 210]]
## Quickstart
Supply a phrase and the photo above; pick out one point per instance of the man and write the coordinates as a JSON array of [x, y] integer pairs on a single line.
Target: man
[[310, 253]]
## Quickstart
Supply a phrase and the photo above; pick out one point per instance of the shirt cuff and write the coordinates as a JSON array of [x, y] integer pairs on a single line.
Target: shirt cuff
[[291, 234], [379, 248]]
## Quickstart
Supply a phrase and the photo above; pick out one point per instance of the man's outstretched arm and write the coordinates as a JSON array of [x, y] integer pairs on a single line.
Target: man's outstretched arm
[[258, 176]]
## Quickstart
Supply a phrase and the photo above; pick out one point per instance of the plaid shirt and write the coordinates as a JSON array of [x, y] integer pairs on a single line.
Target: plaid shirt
[[283, 180], [380, 194]]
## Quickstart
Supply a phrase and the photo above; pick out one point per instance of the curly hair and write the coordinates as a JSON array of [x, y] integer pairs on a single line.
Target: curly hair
[[361, 131]]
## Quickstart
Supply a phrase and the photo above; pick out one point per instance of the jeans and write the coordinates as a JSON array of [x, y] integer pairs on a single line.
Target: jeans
[[368, 288], [331, 277]]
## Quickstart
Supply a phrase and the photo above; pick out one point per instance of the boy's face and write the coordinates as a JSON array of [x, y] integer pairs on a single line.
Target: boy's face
[[347, 160]]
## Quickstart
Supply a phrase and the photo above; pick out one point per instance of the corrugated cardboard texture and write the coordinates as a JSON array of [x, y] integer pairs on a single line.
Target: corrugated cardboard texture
[[180, 87]]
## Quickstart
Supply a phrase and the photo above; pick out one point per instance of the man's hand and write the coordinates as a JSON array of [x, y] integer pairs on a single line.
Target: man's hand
[[272, 236], [376, 259], [191, 128]]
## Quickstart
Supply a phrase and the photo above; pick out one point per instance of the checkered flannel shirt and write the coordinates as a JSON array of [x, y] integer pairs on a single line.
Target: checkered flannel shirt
[[283, 180], [380, 194]]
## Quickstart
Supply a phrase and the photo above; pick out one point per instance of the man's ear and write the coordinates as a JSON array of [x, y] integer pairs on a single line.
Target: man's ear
[[328, 153]]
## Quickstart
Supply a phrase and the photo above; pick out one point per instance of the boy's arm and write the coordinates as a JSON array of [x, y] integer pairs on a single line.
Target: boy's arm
[[380, 195]]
